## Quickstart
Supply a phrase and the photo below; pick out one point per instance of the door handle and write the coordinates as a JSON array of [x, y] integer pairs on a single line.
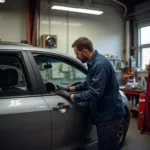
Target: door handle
[[60, 106]]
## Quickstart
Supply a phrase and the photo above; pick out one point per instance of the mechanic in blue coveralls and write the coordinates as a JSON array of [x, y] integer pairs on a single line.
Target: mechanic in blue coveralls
[[101, 90]]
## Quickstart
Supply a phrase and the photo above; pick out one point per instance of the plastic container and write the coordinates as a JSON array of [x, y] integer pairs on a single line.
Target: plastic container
[[134, 103]]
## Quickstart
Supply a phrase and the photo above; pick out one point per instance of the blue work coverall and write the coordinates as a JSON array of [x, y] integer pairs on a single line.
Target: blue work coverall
[[101, 91]]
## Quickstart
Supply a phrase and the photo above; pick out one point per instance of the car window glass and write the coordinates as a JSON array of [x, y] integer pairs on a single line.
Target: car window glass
[[12, 78], [58, 72]]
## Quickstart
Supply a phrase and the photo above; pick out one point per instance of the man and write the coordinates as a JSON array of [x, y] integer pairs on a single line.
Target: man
[[101, 90]]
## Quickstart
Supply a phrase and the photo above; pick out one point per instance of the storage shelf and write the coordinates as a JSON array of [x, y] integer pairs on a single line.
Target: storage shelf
[[143, 71], [117, 70], [132, 92], [113, 59], [134, 109]]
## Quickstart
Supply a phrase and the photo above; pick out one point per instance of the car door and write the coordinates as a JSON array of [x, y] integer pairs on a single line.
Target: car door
[[24, 115], [70, 121]]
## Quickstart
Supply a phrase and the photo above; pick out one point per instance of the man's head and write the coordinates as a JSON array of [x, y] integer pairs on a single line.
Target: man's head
[[83, 49]]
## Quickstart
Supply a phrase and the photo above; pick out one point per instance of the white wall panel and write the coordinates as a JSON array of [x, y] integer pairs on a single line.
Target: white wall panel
[[13, 21], [106, 31]]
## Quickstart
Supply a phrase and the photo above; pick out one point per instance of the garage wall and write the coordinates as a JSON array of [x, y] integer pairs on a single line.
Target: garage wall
[[106, 31], [13, 20]]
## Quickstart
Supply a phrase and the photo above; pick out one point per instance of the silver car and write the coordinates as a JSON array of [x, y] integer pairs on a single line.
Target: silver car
[[32, 115]]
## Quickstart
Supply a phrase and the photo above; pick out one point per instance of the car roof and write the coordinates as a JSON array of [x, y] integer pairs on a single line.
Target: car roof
[[21, 47], [26, 47], [13, 46]]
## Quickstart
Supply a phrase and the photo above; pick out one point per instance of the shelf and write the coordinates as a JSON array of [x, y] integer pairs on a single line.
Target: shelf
[[113, 59], [134, 109], [130, 91], [143, 71], [117, 70]]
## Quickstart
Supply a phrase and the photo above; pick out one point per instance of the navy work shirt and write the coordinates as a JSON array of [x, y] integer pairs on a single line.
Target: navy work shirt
[[101, 90]]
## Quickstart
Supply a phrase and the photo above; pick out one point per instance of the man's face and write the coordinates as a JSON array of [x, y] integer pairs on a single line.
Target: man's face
[[81, 55]]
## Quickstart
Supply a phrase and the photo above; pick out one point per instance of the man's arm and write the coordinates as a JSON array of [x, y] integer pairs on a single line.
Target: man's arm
[[72, 88], [65, 93], [97, 86], [81, 86]]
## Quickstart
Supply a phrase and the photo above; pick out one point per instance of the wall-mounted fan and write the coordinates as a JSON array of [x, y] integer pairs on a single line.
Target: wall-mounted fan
[[49, 41]]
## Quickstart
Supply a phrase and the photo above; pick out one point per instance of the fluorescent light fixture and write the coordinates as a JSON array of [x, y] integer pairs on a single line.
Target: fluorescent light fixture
[[2, 1], [77, 9]]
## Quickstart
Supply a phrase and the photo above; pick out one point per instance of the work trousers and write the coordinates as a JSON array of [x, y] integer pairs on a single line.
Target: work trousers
[[108, 135]]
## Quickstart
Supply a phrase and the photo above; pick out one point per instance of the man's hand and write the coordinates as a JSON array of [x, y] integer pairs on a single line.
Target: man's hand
[[64, 94], [63, 88]]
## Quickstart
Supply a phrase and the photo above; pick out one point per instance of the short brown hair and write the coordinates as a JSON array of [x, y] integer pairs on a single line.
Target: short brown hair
[[83, 43]]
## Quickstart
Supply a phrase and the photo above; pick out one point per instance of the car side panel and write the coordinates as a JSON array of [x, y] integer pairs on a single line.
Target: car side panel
[[24, 124], [69, 126]]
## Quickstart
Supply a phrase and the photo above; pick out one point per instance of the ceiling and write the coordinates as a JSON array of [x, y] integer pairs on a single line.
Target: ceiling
[[132, 3]]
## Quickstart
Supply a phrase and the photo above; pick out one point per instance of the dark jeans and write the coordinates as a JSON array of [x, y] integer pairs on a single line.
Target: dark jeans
[[108, 137]]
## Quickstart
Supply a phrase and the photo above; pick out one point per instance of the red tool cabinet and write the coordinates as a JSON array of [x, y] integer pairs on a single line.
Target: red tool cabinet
[[147, 110], [141, 112]]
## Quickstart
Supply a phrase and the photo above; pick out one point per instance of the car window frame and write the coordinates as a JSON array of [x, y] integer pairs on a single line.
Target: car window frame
[[27, 71], [65, 59]]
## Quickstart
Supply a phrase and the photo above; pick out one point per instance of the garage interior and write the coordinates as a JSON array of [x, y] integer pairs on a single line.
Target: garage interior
[[121, 33]]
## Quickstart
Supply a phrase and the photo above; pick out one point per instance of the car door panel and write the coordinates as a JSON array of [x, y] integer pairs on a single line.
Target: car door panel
[[24, 124], [90, 138], [69, 124], [24, 118]]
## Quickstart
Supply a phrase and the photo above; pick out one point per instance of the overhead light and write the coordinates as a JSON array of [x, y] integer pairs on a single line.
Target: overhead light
[[2, 1], [76, 9]]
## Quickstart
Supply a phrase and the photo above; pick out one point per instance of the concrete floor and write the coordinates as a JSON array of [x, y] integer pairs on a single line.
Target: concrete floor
[[135, 140]]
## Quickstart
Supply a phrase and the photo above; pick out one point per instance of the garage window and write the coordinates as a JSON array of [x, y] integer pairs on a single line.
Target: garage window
[[144, 46]]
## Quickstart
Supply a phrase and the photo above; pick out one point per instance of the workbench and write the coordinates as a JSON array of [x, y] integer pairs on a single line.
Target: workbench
[[132, 93]]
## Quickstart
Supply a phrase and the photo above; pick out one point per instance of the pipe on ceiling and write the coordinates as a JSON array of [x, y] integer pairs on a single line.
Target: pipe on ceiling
[[106, 4], [116, 1]]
